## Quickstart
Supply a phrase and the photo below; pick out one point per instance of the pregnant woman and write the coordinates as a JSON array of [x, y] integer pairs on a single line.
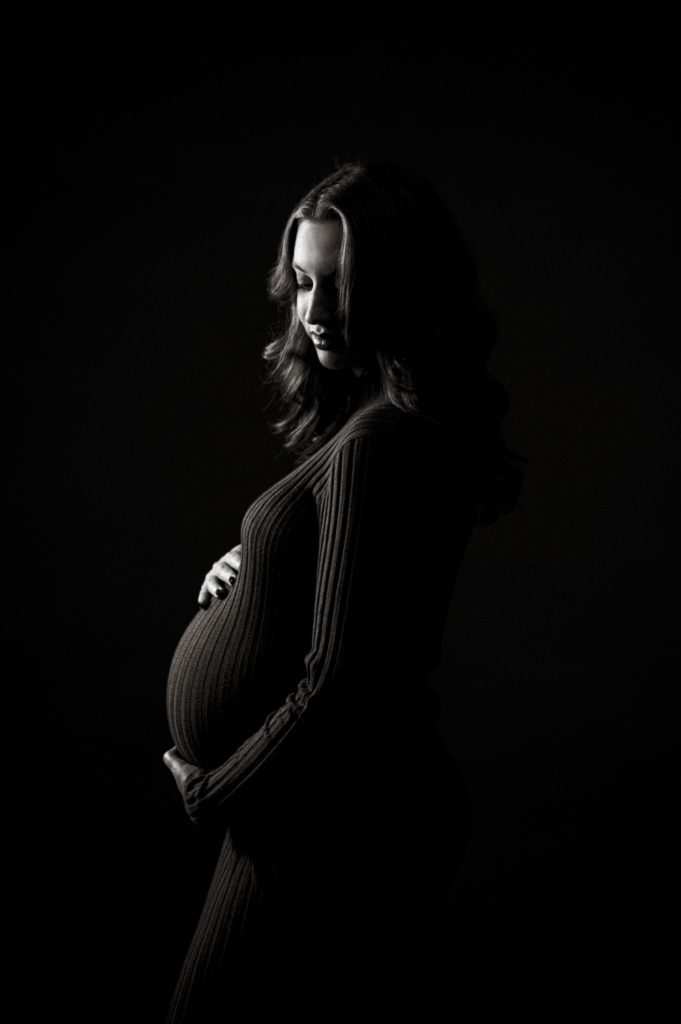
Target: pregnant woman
[[299, 700]]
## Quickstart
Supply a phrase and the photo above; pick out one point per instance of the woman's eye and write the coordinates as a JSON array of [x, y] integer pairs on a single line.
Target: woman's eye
[[303, 285]]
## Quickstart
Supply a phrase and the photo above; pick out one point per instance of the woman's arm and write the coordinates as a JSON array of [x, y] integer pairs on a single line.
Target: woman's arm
[[366, 625]]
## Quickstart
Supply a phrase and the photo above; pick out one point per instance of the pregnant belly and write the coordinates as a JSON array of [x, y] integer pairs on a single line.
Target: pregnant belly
[[224, 680], [202, 694]]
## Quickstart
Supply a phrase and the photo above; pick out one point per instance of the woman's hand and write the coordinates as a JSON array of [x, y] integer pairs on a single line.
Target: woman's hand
[[182, 770], [221, 577]]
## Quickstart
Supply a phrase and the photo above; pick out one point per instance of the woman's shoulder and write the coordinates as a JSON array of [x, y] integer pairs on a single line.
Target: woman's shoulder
[[388, 446], [397, 441], [384, 422], [375, 419]]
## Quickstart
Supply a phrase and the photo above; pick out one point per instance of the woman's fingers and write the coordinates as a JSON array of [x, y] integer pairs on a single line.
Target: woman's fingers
[[221, 577], [222, 574], [232, 558], [180, 768]]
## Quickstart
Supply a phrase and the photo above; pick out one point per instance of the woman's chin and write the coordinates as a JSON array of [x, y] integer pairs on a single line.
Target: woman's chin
[[334, 358]]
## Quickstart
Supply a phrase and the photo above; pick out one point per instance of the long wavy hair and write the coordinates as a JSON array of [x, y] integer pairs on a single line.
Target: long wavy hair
[[409, 297]]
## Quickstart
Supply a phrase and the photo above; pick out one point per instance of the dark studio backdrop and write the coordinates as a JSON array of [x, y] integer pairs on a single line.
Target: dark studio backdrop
[[155, 165]]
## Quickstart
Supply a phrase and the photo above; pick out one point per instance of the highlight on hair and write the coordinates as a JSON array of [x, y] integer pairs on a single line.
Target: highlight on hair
[[408, 295]]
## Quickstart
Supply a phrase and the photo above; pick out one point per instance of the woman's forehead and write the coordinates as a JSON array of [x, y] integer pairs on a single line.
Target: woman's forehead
[[317, 246]]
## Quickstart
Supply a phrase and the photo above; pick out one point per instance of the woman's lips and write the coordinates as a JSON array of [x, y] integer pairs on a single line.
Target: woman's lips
[[325, 340]]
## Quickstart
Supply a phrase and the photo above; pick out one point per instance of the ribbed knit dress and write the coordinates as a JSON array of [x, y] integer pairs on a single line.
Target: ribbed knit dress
[[303, 698]]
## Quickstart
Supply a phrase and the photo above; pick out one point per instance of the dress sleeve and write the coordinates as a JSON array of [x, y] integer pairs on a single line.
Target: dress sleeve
[[364, 627]]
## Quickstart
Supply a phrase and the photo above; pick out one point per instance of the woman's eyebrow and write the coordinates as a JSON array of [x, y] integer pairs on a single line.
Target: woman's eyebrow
[[300, 270]]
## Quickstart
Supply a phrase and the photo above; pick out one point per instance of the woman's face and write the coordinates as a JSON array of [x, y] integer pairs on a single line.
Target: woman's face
[[315, 262]]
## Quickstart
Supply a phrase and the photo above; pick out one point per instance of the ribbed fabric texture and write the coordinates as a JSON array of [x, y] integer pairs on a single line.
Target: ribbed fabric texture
[[303, 699]]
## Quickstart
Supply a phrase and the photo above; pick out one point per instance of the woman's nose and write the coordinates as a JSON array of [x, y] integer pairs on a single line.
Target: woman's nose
[[318, 307]]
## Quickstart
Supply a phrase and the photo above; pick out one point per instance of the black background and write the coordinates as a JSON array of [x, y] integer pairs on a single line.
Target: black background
[[152, 165]]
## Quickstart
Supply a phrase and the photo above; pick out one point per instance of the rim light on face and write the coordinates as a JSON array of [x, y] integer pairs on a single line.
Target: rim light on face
[[315, 262]]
